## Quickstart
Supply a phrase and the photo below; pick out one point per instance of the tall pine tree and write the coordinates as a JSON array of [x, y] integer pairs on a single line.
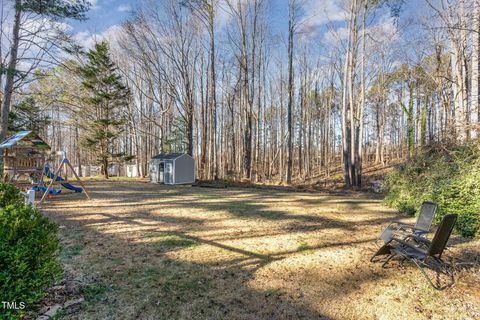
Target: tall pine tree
[[27, 115], [102, 117]]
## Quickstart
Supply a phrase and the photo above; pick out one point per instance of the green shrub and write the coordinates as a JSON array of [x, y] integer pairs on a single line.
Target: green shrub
[[28, 256], [9, 194], [450, 178]]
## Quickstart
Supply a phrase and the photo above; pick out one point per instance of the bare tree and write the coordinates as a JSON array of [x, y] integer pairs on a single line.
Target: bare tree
[[22, 9]]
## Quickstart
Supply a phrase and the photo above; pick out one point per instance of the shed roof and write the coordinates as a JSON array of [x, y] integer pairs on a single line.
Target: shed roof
[[168, 156], [26, 139]]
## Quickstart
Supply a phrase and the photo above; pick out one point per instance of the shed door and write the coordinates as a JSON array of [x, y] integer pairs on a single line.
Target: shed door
[[168, 173], [161, 172]]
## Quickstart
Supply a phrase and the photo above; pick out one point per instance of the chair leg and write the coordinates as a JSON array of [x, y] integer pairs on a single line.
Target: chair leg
[[372, 259], [436, 287], [388, 259], [425, 274], [446, 269], [383, 250]]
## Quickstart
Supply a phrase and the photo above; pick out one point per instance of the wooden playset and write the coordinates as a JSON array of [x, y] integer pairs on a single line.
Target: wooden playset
[[26, 160]]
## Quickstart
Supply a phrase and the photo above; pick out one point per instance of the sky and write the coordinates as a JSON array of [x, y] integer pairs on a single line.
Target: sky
[[103, 17], [106, 17], [105, 14]]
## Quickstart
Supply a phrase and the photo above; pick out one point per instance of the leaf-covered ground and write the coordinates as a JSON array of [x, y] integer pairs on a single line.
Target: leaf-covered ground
[[143, 251]]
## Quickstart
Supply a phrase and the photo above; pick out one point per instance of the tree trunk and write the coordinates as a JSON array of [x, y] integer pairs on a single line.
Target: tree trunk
[[105, 168], [213, 92], [359, 139], [291, 27], [11, 71], [410, 124], [475, 96], [347, 103], [77, 152]]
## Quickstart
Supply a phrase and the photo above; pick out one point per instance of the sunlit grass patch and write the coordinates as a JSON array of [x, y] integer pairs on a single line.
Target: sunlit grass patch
[[428, 295]]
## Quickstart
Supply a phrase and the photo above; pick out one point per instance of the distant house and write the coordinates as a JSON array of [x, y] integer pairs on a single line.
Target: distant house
[[113, 170], [131, 170], [172, 168]]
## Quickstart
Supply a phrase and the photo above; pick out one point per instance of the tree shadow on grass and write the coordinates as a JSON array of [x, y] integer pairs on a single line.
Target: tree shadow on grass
[[239, 209], [144, 281], [158, 274], [126, 280]]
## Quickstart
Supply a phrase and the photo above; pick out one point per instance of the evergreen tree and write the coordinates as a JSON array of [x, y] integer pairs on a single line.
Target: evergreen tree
[[102, 116], [177, 140], [27, 115]]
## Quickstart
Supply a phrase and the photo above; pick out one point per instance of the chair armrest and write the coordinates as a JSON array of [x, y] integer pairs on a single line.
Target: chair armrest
[[421, 239], [404, 227], [411, 227], [395, 228], [411, 246], [398, 225], [397, 239]]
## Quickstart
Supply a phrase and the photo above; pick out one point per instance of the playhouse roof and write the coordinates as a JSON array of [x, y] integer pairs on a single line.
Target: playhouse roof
[[24, 139]]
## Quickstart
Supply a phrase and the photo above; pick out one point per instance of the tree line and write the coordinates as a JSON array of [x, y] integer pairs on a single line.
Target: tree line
[[250, 101]]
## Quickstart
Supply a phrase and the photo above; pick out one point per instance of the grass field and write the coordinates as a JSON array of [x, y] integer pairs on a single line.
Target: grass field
[[143, 251]]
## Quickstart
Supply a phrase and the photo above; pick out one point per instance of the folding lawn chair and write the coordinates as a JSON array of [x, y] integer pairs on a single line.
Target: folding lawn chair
[[421, 227], [421, 251]]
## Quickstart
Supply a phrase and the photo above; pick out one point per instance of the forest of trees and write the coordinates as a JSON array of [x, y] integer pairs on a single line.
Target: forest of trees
[[248, 100]]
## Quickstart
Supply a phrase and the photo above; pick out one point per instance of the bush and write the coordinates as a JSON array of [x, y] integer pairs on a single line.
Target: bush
[[9, 194], [450, 178], [28, 253]]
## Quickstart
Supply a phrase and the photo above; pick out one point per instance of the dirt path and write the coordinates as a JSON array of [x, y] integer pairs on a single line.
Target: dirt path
[[142, 251]]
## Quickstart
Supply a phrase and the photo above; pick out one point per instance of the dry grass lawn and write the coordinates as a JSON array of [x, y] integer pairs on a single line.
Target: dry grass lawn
[[143, 251]]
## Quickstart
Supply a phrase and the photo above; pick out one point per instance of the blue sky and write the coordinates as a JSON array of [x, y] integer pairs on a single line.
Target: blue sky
[[104, 14], [107, 15]]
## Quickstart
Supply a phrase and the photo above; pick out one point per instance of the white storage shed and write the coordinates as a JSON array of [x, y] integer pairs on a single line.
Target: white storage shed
[[172, 168]]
